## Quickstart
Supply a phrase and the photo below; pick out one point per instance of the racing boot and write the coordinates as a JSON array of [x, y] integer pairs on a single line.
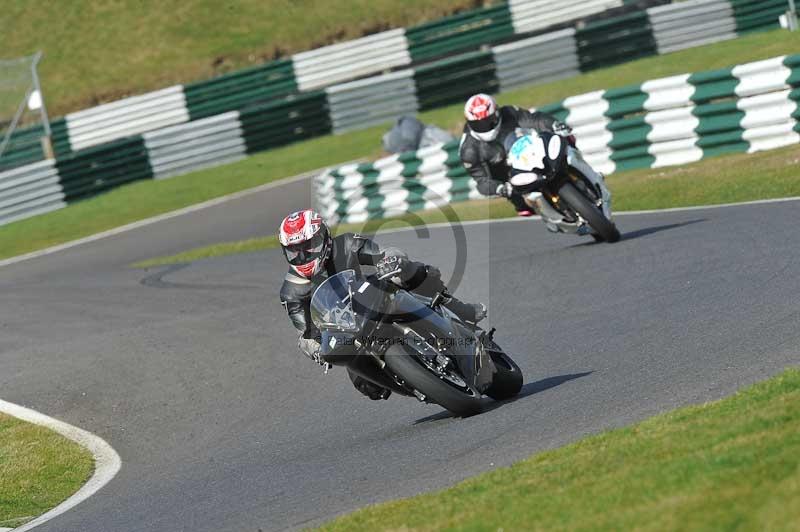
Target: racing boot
[[371, 390], [469, 312], [431, 283], [522, 208]]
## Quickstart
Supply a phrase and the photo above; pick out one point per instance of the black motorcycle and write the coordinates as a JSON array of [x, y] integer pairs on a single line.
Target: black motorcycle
[[554, 180], [410, 344]]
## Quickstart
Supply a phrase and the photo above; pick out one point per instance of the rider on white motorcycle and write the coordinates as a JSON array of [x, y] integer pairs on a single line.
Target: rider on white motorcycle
[[484, 156]]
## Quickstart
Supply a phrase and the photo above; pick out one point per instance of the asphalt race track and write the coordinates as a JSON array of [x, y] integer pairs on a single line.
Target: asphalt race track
[[191, 372]]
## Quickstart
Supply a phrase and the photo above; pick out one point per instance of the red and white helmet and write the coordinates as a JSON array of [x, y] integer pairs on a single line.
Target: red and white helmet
[[483, 117], [306, 242]]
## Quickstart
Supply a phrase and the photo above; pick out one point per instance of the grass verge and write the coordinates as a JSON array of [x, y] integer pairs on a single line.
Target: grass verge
[[84, 41], [149, 198], [731, 464], [38, 469], [725, 179]]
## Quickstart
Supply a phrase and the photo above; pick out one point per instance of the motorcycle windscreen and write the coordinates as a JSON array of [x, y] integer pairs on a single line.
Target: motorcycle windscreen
[[343, 301], [332, 303]]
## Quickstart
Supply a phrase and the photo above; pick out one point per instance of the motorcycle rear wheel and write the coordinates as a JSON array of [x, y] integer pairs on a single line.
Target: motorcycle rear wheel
[[604, 227], [403, 362]]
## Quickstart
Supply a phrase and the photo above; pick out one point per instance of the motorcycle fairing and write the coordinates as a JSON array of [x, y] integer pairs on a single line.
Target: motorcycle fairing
[[433, 327], [337, 347], [554, 219]]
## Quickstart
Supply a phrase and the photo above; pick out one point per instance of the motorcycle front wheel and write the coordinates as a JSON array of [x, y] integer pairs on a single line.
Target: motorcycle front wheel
[[403, 361], [604, 227]]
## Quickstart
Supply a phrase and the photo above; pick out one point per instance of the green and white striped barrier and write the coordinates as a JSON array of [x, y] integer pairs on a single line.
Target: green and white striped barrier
[[321, 68], [683, 118], [668, 121], [467, 66], [395, 185], [182, 128]]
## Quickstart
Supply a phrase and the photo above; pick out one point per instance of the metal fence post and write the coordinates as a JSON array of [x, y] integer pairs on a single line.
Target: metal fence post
[[47, 139]]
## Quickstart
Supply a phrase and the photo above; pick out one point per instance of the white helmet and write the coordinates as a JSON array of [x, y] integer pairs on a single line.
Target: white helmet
[[483, 117], [306, 242]]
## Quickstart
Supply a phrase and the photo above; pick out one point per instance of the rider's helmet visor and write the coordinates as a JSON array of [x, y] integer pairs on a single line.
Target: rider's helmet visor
[[484, 125], [308, 251]]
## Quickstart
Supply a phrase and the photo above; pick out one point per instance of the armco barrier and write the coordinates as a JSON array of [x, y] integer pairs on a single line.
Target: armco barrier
[[459, 33], [291, 119], [29, 190], [126, 117], [24, 147], [234, 91], [757, 15], [25, 144], [453, 80], [352, 59], [667, 121], [377, 100], [305, 71], [617, 40], [550, 56], [533, 15], [536, 60], [692, 23], [187, 147], [94, 170], [270, 113]]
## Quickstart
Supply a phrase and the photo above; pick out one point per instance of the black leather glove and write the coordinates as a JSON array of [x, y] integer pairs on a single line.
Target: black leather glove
[[505, 190], [310, 347], [561, 129], [400, 266]]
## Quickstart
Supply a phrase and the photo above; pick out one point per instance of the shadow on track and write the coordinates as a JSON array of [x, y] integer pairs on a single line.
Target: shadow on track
[[527, 390], [658, 228], [643, 232]]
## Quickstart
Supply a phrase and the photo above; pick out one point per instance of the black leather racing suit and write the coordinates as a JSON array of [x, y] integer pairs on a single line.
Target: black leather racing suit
[[486, 161], [350, 251]]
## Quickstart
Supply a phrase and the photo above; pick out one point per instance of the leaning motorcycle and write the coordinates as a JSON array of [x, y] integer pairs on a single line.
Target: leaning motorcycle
[[559, 185], [410, 344]]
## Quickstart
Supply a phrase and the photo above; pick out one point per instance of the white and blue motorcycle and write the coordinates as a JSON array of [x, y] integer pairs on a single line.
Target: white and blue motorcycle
[[559, 185]]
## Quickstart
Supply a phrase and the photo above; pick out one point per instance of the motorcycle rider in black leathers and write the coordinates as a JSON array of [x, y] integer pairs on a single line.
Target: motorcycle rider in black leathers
[[314, 255], [482, 152]]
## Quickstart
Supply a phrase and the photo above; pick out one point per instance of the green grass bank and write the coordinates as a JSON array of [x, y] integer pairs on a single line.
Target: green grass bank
[[728, 465], [101, 50], [38, 469]]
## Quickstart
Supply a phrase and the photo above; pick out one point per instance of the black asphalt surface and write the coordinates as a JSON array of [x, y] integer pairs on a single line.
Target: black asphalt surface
[[191, 372]]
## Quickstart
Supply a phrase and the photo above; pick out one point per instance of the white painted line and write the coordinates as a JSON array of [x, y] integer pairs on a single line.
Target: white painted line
[[154, 219], [717, 206], [106, 460], [6, 529]]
